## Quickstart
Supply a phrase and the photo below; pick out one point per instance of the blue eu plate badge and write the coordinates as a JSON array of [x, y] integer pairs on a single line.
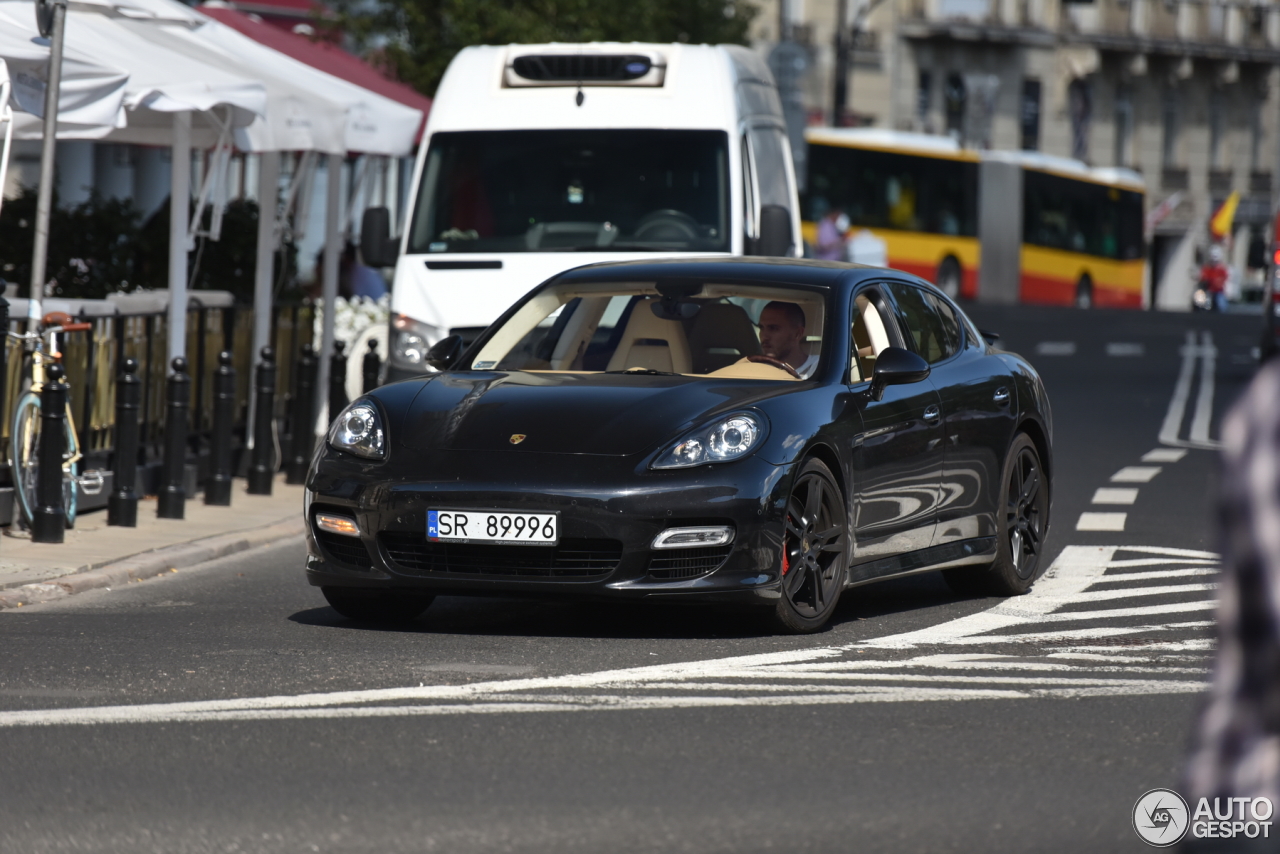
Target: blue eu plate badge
[[433, 524]]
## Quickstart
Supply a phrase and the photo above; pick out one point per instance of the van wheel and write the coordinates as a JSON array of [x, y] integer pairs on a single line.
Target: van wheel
[[949, 277], [1084, 292]]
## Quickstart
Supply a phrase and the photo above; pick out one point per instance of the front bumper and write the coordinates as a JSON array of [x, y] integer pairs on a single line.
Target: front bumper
[[611, 508]]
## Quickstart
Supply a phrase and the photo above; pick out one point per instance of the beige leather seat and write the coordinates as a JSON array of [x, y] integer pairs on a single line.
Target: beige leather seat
[[651, 342], [721, 334]]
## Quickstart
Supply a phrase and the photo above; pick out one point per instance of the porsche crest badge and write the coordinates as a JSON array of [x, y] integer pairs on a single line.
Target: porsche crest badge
[[517, 438]]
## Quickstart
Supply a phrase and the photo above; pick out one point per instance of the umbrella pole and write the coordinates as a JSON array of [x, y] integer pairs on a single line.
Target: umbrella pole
[[179, 201], [48, 147], [333, 238]]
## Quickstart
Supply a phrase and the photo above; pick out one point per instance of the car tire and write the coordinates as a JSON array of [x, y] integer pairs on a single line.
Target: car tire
[[377, 606], [815, 550], [1022, 522], [949, 277]]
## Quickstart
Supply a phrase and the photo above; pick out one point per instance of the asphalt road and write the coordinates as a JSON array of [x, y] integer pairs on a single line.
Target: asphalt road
[[142, 719]]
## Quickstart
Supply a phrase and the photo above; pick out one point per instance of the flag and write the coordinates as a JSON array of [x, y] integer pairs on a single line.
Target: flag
[[1220, 222]]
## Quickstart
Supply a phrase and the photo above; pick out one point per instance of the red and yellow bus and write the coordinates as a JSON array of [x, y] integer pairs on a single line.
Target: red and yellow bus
[[1074, 234]]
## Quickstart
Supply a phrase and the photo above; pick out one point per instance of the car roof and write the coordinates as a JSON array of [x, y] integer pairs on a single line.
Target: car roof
[[795, 271]]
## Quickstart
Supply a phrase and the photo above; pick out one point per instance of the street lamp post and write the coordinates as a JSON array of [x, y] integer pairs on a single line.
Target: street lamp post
[[51, 17], [845, 44]]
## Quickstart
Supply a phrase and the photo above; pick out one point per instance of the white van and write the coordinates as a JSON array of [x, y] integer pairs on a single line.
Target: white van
[[540, 158]]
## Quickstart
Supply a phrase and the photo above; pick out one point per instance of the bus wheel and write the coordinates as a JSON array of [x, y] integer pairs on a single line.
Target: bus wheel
[[1084, 292], [948, 278]]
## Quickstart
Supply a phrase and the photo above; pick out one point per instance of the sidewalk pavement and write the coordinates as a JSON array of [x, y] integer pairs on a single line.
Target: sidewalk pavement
[[98, 555]]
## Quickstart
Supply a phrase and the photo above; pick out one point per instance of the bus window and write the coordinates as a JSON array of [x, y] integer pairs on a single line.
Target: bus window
[[1081, 216]]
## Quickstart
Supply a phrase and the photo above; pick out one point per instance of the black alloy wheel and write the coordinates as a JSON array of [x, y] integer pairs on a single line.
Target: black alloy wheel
[[814, 561], [377, 606], [1023, 525]]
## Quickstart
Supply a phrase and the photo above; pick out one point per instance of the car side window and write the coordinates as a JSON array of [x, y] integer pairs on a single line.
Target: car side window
[[923, 325], [869, 337], [948, 319]]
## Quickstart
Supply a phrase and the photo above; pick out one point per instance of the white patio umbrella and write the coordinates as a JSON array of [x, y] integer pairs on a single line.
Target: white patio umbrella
[[170, 99], [91, 96]]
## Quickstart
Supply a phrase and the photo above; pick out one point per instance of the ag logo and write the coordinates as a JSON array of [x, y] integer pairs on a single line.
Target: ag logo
[[1160, 817]]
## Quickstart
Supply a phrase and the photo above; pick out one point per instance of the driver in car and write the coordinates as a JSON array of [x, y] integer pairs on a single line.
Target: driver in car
[[782, 336]]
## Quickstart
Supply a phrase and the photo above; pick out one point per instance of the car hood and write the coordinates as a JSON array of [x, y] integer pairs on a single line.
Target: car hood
[[564, 413]]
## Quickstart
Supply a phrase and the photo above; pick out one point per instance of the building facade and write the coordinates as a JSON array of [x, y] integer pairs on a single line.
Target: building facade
[[1186, 93]]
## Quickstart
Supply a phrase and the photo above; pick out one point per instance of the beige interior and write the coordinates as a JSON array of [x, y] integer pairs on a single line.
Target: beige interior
[[869, 340], [721, 334], [651, 342], [745, 370]]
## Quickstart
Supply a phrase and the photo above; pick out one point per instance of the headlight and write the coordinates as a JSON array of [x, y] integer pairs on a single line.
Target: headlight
[[410, 341], [358, 430], [730, 438]]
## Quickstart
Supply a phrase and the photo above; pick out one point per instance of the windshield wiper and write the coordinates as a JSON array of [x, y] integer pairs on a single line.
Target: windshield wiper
[[648, 372]]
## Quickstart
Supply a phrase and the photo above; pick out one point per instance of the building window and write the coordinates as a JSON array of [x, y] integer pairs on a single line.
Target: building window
[[1124, 126], [1080, 105], [1030, 114], [924, 100], [954, 97], [1169, 129]]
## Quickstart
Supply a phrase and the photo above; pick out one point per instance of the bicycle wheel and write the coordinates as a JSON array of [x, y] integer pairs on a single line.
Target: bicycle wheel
[[24, 447]]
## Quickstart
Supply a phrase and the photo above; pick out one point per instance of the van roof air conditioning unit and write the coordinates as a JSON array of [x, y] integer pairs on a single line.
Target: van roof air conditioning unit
[[585, 69]]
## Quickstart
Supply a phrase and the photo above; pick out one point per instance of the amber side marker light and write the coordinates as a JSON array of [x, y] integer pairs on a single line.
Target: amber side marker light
[[337, 525]]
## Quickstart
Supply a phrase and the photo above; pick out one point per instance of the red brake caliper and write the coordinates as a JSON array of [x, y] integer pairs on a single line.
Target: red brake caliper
[[785, 564]]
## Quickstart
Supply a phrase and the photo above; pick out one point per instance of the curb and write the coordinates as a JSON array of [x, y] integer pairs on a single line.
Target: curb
[[150, 564]]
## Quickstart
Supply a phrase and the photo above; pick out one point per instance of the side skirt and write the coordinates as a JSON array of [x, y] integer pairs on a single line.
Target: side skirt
[[978, 550]]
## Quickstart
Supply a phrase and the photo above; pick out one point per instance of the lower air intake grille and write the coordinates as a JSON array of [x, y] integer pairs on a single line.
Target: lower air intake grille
[[345, 550], [571, 558], [686, 563]]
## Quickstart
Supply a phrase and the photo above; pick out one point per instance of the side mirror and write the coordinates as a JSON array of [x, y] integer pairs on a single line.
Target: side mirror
[[992, 338], [377, 247], [775, 232], [896, 366], [445, 352]]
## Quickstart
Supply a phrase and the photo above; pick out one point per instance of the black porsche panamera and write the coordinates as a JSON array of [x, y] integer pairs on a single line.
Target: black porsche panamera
[[621, 432]]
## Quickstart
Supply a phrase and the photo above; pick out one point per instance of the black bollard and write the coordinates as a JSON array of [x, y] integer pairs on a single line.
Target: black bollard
[[173, 496], [217, 491], [371, 367], [50, 522], [338, 399], [122, 506], [261, 470], [302, 442]]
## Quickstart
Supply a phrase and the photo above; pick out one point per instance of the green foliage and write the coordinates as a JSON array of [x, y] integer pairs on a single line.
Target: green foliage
[[422, 36], [102, 246]]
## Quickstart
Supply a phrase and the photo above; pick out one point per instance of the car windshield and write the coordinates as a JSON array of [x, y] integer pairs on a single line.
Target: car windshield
[[573, 191], [763, 332]]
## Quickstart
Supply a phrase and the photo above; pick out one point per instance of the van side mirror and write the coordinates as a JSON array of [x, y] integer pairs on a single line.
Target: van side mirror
[[775, 232], [445, 352], [896, 366], [377, 247]]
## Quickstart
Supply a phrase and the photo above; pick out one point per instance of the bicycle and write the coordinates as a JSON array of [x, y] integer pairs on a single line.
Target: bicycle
[[24, 432]]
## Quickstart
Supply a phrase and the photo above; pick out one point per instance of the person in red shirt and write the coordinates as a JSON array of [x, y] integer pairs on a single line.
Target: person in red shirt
[[1213, 278]]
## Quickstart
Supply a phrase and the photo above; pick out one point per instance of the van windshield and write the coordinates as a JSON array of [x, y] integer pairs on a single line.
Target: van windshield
[[573, 191]]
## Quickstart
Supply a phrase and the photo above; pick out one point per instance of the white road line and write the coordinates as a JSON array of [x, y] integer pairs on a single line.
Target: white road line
[[1164, 550], [1135, 474], [1192, 561], [1204, 400], [1169, 646], [1125, 349], [1181, 393], [1056, 348], [1164, 455], [1101, 522], [1114, 496], [1134, 592]]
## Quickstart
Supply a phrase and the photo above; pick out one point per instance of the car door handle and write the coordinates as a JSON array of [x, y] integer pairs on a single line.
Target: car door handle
[[1001, 396], [932, 413]]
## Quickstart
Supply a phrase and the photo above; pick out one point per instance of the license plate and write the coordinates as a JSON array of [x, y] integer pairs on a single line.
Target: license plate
[[501, 527]]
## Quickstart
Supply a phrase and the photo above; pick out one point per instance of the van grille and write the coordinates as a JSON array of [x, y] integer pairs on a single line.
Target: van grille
[[571, 558]]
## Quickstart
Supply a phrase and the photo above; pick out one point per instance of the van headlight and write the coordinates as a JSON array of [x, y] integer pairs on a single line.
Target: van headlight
[[730, 438], [358, 430], [410, 341]]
